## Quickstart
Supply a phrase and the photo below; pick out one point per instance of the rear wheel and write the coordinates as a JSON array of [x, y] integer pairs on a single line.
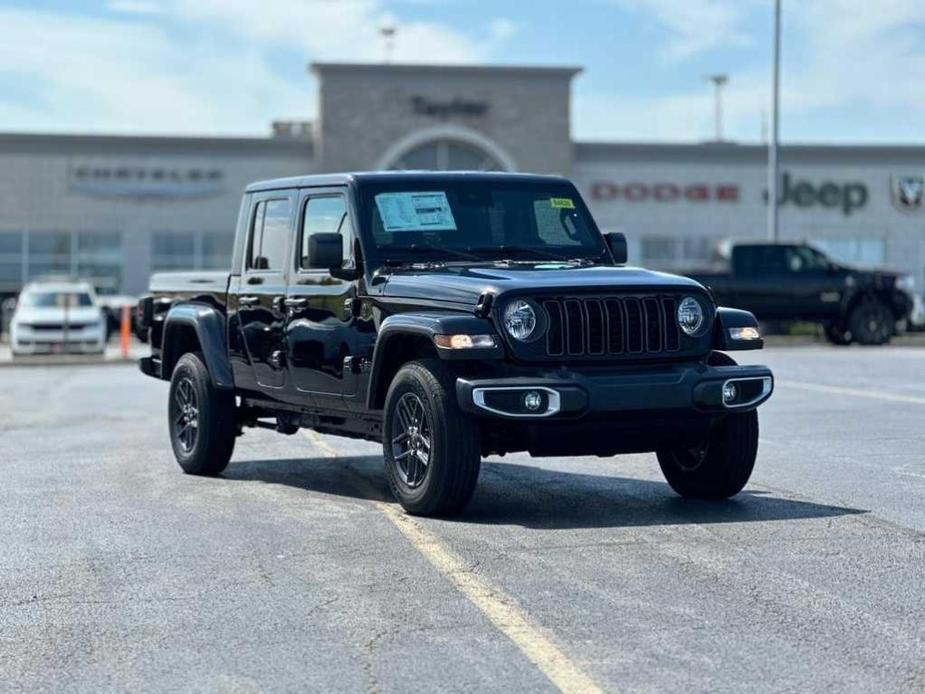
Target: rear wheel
[[431, 449], [201, 417], [871, 322], [720, 466]]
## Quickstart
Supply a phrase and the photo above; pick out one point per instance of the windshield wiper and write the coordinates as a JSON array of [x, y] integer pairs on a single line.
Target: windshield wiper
[[431, 248], [504, 248]]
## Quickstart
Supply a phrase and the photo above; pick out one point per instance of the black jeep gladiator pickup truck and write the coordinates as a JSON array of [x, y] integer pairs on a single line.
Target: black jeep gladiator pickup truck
[[796, 282], [452, 316]]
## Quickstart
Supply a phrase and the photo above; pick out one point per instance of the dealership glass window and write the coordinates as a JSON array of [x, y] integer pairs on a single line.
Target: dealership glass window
[[216, 249], [172, 250], [700, 250], [447, 155], [659, 250], [326, 215], [99, 258], [858, 251], [49, 253], [11, 263]]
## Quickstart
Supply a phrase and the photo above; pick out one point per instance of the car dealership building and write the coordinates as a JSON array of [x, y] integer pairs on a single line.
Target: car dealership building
[[115, 209]]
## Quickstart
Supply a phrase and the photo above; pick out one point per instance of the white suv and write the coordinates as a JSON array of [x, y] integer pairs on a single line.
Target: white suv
[[58, 317]]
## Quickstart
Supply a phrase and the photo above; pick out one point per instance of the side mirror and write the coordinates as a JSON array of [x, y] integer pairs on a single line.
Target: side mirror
[[616, 242], [325, 251]]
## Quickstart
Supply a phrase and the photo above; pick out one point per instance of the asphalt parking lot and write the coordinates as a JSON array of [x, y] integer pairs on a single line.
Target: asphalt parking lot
[[294, 571]]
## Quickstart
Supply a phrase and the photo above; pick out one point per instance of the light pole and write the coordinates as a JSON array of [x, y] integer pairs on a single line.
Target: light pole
[[388, 33], [773, 166], [719, 81]]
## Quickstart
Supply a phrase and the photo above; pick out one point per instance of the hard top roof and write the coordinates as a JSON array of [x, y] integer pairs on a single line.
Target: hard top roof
[[410, 177]]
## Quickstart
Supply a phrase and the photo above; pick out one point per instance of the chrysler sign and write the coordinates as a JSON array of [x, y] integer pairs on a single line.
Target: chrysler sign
[[139, 181]]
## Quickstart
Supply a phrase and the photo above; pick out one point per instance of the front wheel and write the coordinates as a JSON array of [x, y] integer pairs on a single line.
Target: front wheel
[[871, 322], [431, 449], [837, 335], [202, 419], [721, 466]]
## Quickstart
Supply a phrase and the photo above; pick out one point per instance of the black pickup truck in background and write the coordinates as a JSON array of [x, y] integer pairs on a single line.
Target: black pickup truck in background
[[796, 282]]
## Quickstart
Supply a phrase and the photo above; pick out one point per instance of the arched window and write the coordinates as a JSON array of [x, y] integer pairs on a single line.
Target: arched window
[[447, 155]]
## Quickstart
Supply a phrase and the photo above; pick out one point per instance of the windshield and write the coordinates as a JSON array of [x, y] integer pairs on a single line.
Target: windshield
[[479, 220], [40, 299]]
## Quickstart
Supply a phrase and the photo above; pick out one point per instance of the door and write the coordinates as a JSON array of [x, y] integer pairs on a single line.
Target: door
[[262, 290], [784, 282], [816, 285], [321, 326]]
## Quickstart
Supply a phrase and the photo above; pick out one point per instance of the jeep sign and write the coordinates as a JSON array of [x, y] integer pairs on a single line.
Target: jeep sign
[[846, 197]]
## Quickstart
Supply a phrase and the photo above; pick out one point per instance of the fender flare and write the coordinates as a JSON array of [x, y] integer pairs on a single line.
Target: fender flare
[[733, 318], [209, 326], [428, 325]]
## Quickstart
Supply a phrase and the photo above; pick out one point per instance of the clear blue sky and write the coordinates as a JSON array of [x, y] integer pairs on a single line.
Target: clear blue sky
[[854, 70]]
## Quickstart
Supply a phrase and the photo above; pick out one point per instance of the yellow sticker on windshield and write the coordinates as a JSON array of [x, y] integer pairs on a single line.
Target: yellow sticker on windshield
[[562, 203]]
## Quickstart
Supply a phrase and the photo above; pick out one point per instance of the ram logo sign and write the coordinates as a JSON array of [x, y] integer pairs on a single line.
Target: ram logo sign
[[908, 192]]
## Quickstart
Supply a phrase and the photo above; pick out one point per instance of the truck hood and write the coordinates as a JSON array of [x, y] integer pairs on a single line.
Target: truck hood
[[465, 283]]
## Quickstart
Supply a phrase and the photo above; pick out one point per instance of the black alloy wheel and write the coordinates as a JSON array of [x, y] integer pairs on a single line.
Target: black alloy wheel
[[411, 440], [202, 418], [186, 415]]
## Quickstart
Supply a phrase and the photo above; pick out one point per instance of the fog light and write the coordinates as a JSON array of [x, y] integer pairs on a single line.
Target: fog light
[[729, 393], [533, 401]]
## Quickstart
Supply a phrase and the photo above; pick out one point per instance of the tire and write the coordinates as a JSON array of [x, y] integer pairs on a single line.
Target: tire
[[201, 419], [837, 335], [422, 418], [871, 322], [721, 467]]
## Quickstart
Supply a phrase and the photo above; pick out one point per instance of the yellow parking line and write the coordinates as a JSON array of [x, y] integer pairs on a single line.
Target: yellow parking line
[[535, 642], [856, 392]]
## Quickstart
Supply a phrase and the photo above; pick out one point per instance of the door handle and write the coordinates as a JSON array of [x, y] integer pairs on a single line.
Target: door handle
[[296, 302], [248, 300]]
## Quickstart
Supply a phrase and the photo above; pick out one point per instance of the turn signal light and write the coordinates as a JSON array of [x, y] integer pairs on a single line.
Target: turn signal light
[[464, 341], [744, 334]]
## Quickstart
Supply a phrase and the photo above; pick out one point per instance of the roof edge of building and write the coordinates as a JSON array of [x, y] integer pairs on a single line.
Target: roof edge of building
[[207, 143], [460, 68], [745, 149]]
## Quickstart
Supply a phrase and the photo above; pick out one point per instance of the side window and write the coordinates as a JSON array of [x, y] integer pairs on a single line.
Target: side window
[[762, 260], [326, 215], [803, 259], [269, 235], [256, 237]]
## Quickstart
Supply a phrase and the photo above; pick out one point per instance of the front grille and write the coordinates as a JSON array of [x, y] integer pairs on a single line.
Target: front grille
[[605, 326], [58, 327]]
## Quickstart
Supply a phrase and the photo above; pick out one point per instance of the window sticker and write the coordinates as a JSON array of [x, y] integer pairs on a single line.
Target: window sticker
[[428, 211], [562, 203]]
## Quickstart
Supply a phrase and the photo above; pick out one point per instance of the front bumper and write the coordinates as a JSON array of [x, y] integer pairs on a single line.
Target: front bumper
[[82, 341], [692, 388]]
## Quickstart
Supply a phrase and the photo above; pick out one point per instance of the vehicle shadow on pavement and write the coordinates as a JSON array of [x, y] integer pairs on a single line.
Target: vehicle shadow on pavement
[[537, 497], [541, 498]]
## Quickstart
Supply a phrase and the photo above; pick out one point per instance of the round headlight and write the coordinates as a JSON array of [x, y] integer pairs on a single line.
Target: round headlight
[[690, 316], [520, 320]]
